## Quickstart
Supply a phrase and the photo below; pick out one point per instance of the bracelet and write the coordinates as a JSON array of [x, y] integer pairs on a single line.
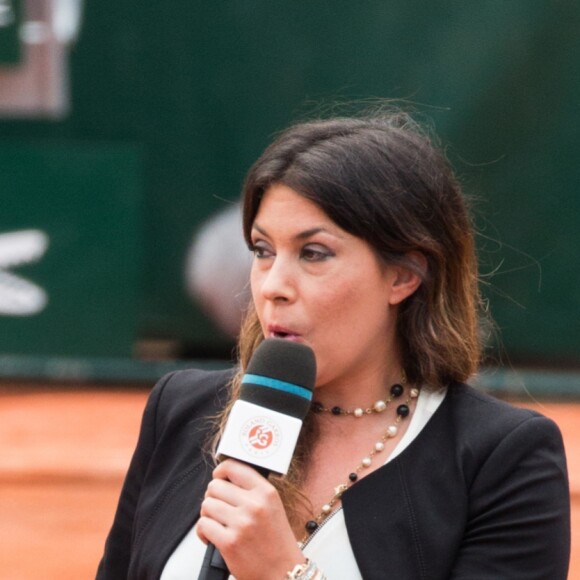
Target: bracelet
[[307, 571]]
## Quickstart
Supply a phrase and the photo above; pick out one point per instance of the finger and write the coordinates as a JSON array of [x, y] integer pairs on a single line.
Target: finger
[[217, 510], [225, 491], [208, 530], [239, 474], [200, 530], [226, 502]]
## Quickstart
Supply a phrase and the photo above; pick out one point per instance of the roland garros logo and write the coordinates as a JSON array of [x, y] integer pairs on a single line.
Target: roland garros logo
[[260, 436]]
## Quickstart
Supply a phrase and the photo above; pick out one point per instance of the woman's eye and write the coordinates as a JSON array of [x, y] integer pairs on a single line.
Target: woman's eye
[[261, 250], [315, 253]]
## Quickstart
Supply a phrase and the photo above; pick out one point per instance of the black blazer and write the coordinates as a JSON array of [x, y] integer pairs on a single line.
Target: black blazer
[[481, 493]]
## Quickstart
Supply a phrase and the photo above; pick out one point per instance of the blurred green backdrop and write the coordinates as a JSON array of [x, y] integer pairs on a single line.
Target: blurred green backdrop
[[180, 98]]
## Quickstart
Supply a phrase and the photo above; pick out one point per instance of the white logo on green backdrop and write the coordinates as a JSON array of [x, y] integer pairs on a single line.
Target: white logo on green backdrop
[[18, 296], [7, 15]]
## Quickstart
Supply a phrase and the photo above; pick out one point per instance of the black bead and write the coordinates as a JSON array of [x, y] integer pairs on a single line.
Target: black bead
[[317, 407], [336, 411], [353, 476], [397, 390], [403, 410], [311, 525]]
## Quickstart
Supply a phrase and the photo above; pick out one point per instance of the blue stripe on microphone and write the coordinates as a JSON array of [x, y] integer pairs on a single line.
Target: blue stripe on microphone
[[278, 385]]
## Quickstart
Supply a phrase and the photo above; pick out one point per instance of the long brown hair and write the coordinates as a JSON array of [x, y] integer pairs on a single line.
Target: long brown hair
[[383, 179]]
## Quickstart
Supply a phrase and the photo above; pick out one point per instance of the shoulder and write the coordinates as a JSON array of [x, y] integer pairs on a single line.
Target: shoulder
[[192, 386], [476, 411], [184, 396], [476, 425], [486, 428], [467, 399]]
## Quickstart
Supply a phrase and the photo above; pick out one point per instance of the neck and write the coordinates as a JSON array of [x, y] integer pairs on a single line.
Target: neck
[[362, 393]]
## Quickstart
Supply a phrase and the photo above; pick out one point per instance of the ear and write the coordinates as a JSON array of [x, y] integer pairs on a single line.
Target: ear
[[405, 281]]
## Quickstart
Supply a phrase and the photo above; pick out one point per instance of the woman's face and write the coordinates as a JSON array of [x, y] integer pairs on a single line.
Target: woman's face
[[315, 283]]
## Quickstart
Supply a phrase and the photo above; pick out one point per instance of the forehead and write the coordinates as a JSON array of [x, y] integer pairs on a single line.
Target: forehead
[[282, 205]]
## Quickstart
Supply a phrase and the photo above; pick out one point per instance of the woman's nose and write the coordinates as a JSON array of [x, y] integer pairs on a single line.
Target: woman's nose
[[278, 282]]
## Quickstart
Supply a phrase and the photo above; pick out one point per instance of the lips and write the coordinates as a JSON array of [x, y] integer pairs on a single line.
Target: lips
[[276, 331]]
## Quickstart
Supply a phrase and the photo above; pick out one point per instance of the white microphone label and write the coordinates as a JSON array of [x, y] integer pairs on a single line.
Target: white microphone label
[[260, 436]]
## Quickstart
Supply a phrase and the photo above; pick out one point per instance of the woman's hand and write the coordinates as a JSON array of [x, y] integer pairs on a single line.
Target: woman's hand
[[243, 516]]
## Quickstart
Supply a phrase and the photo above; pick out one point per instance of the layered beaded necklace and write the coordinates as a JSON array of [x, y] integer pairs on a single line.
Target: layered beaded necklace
[[403, 411]]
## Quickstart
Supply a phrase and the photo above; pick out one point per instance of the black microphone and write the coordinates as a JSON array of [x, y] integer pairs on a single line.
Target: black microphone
[[264, 423]]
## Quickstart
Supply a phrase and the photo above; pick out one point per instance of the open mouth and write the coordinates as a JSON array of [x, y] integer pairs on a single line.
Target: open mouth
[[283, 333]]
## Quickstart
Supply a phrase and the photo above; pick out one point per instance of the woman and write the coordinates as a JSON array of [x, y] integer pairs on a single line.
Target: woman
[[363, 250]]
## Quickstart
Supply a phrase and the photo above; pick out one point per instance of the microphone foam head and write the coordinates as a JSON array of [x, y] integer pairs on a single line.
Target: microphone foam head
[[281, 376]]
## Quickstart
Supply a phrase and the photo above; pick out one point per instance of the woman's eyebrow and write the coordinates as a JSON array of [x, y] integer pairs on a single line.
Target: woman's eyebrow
[[301, 235], [312, 231]]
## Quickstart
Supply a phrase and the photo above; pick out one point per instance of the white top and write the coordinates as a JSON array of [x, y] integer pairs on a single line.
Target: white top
[[329, 547]]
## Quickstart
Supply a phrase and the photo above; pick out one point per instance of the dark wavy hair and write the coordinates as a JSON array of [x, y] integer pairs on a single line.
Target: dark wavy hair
[[383, 180]]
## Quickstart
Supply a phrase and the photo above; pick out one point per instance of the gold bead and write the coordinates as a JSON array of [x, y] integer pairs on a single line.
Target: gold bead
[[379, 406]]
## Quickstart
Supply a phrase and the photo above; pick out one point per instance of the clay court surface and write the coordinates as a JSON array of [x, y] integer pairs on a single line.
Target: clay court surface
[[63, 454]]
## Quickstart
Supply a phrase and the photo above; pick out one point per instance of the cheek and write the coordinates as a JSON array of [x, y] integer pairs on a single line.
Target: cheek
[[257, 301], [336, 303], [355, 309], [255, 283]]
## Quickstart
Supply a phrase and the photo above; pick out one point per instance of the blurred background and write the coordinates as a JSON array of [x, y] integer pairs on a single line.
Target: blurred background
[[126, 129]]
